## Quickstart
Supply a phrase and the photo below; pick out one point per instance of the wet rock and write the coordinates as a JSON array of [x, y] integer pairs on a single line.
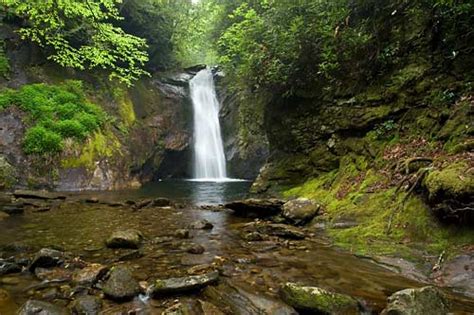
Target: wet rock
[[317, 300], [300, 211], [142, 204], [53, 274], [120, 284], [8, 268], [131, 255], [184, 284], [86, 305], [47, 258], [161, 202], [10, 281], [201, 225], [90, 274], [92, 200], [238, 300], [279, 230], [196, 249], [33, 307], [41, 195], [182, 233], [253, 237], [125, 239], [256, 208], [426, 300], [14, 209], [194, 307], [457, 273]]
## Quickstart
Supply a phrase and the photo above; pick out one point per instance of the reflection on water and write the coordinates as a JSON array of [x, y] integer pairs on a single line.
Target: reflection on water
[[197, 192]]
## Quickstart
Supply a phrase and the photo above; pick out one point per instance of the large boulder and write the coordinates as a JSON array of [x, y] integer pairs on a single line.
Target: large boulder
[[184, 284], [426, 300], [125, 239], [120, 284], [33, 307], [256, 208], [317, 300], [300, 211]]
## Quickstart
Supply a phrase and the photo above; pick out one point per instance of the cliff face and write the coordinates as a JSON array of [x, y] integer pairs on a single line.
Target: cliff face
[[146, 135]]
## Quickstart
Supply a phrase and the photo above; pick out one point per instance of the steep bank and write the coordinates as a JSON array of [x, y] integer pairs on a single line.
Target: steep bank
[[145, 134], [392, 165]]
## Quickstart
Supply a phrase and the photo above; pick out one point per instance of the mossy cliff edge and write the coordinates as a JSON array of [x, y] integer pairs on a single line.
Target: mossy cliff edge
[[68, 130], [392, 165]]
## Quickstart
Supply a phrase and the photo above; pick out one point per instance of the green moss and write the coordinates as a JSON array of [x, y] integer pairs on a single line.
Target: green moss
[[7, 174], [4, 63], [125, 104], [100, 145], [452, 180], [54, 113], [316, 300], [372, 207]]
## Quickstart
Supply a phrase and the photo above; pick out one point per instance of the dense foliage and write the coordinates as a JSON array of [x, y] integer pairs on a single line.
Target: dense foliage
[[55, 113], [82, 35], [293, 47]]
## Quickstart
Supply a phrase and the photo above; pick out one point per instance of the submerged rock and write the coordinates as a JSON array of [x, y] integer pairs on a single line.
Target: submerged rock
[[201, 225], [279, 230], [182, 233], [86, 305], [238, 300], [184, 284], [47, 258], [120, 284], [317, 300], [426, 300], [301, 210], [256, 208], [33, 307], [8, 268], [37, 194], [194, 307], [196, 249], [125, 239]]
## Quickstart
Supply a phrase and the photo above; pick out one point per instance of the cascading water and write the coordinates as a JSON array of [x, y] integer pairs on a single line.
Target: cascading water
[[209, 158]]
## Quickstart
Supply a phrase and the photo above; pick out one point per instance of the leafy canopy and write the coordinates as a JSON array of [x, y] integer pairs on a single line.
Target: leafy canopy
[[82, 35]]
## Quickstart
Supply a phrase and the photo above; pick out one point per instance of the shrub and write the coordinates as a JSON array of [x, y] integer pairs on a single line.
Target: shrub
[[57, 110], [39, 140]]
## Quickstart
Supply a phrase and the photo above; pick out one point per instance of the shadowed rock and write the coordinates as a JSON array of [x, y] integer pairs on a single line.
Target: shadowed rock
[[47, 258], [184, 284], [256, 208], [86, 305]]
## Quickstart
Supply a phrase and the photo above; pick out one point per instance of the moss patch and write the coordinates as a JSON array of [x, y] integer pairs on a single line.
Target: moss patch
[[100, 145], [357, 195], [453, 180], [126, 109], [54, 113]]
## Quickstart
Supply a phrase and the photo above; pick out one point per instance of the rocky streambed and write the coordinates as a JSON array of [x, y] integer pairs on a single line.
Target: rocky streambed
[[121, 254]]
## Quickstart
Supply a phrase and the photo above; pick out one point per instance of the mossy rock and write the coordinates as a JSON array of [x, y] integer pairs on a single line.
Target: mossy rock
[[427, 300], [317, 300], [7, 174], [451, 182]]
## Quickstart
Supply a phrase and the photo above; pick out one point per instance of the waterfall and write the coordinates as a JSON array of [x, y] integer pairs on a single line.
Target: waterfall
[[209, 158]]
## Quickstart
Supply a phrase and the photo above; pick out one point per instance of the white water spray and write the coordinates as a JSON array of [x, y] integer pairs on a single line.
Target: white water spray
[[209, 158]]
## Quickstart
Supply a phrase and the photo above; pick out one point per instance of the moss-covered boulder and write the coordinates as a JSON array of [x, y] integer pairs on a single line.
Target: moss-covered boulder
[[317, 300], [450, 192], [300, 210], [427, 300]]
